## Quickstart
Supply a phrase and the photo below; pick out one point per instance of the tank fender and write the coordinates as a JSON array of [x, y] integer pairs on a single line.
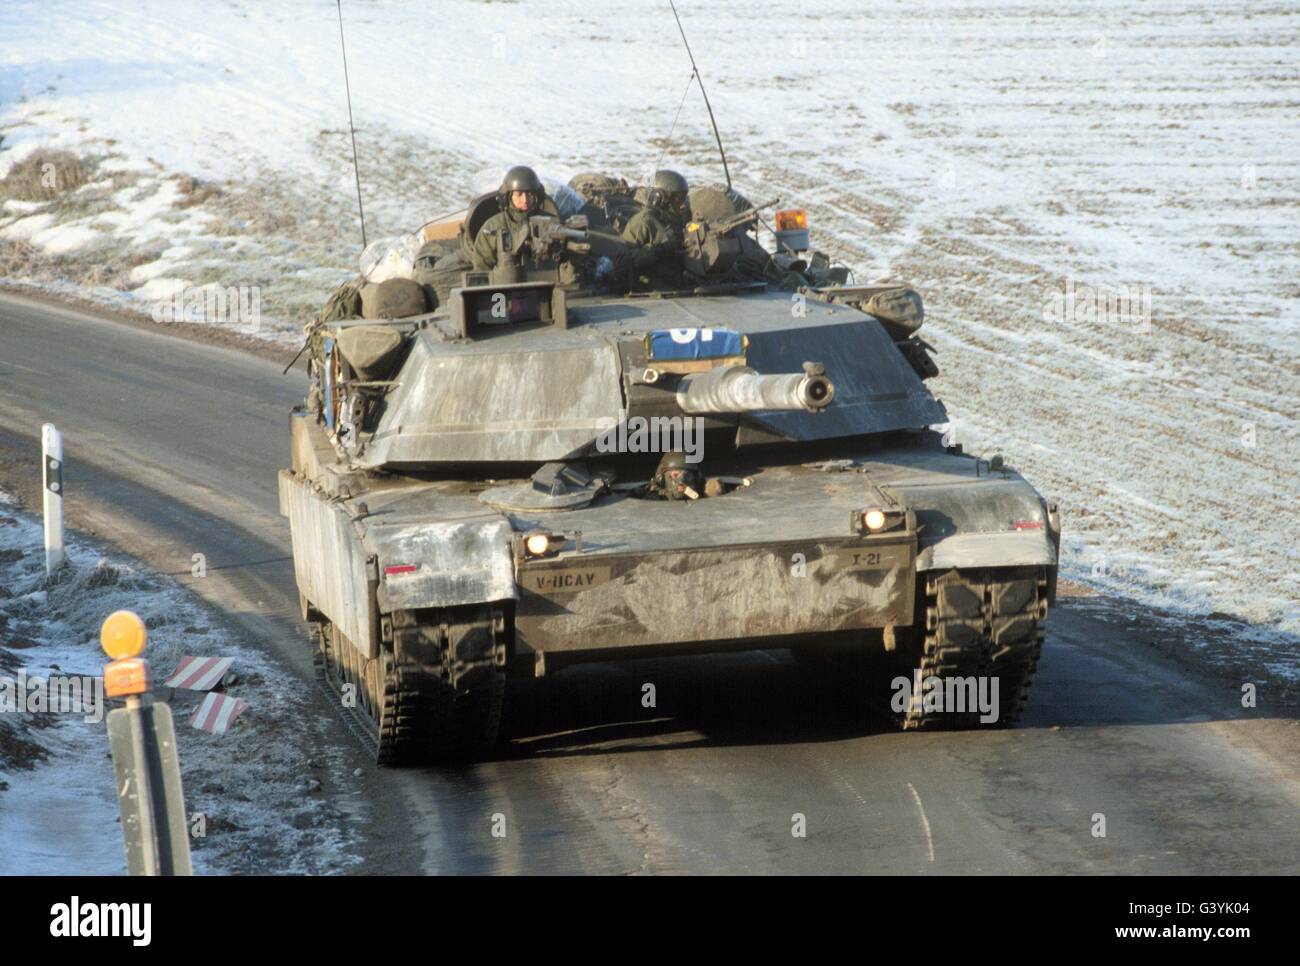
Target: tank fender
[[444, 564], [998, 522], [1008, 549]]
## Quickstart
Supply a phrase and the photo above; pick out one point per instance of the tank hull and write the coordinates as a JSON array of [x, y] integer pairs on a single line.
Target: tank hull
[[774, 559]]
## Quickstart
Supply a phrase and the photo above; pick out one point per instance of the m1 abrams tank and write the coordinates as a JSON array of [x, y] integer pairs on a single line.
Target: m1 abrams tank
[[531, 475]]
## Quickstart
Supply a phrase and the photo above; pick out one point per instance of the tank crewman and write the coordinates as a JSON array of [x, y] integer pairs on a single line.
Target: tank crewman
[[656, 232], [521, 196], [677, 479]]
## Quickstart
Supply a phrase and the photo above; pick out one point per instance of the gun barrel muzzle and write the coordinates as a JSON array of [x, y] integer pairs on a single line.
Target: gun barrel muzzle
[[739, 389]]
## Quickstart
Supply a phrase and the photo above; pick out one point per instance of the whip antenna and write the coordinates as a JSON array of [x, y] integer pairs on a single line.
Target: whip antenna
[[669, 139], [356, 170], [717, 137]]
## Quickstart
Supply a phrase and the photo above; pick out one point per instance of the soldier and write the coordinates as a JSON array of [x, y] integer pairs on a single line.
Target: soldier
[[665, 214], [656, 231], [677, 479], [521, 196]]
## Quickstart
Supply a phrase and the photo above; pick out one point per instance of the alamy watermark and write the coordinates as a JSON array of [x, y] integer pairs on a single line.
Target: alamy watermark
[[56, 694], [955, 695], [651, 434], [235, 307], [76, 919], [1127, 305]]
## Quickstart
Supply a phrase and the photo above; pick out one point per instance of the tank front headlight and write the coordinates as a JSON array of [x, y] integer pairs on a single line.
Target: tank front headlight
[[538, 543], [876, 519]]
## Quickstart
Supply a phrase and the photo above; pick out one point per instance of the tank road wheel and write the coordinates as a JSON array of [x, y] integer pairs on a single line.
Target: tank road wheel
[[980, 623], [353, 683], [376, 678], [321, 631]]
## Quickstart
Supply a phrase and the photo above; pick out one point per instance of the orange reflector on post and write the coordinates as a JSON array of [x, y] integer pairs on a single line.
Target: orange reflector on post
[[122, 678], [792, 219]]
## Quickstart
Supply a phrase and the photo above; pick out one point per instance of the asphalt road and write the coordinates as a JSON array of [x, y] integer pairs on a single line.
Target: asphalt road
[[173, 447]]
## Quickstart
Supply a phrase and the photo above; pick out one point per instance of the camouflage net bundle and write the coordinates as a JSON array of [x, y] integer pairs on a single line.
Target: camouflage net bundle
[[344, 303], [592, 187], [438, 269], [717, 203]]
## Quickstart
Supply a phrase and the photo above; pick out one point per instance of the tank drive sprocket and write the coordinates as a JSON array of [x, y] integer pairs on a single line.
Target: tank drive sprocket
[[434, 692]]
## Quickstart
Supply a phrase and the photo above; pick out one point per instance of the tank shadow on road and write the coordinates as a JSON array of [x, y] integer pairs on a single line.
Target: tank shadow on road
[[1096, 671], [752, 698]]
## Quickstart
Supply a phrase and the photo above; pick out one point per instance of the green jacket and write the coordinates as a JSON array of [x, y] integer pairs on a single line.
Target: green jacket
[[653, 270], [646, 227], [512, 222]]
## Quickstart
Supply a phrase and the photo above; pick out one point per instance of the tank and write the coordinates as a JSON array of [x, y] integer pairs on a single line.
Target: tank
[[540, 471]]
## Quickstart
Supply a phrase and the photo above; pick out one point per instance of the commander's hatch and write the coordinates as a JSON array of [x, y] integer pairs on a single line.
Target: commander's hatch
[[479, 310]]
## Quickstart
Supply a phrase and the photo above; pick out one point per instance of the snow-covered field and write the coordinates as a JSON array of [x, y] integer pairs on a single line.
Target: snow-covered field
[[256, 798], [998, 155]]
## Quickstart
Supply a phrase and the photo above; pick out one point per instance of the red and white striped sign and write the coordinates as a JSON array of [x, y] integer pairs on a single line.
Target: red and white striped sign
[[217, 713], [199, 673]]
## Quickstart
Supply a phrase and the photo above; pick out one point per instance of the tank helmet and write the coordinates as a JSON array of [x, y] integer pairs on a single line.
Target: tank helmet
[[669, 191], [522, 178], [675, 478]]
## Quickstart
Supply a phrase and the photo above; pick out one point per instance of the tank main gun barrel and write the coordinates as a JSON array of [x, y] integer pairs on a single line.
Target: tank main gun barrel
[[739, 389]]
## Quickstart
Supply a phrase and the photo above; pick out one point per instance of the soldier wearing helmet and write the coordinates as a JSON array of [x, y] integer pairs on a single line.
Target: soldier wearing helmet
[[655, 232], [676, 479], [665, 214], [520, 196]]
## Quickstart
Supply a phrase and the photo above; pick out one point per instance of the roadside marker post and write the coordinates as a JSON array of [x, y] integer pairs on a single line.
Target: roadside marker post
[[52, 493], [143, 742]]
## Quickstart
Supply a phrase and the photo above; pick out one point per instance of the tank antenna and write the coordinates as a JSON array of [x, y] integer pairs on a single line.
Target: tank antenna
[[669, 140], [347, 86], [717, 137]]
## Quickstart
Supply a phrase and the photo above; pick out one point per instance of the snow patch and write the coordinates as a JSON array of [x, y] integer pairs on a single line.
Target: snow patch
[[67, 238], [161, 287], [25, 228], [250, 786]]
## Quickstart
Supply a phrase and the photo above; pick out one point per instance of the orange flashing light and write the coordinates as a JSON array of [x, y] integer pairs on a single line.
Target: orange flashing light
[[792, 219], [123, 635]]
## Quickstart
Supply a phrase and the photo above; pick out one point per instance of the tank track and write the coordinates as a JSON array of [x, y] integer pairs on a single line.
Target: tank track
[[978, 622], [435, 691]]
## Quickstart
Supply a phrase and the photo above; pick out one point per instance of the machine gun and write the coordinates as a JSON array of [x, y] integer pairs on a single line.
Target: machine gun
[[547, 235], [709, 248], [546, 242]]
